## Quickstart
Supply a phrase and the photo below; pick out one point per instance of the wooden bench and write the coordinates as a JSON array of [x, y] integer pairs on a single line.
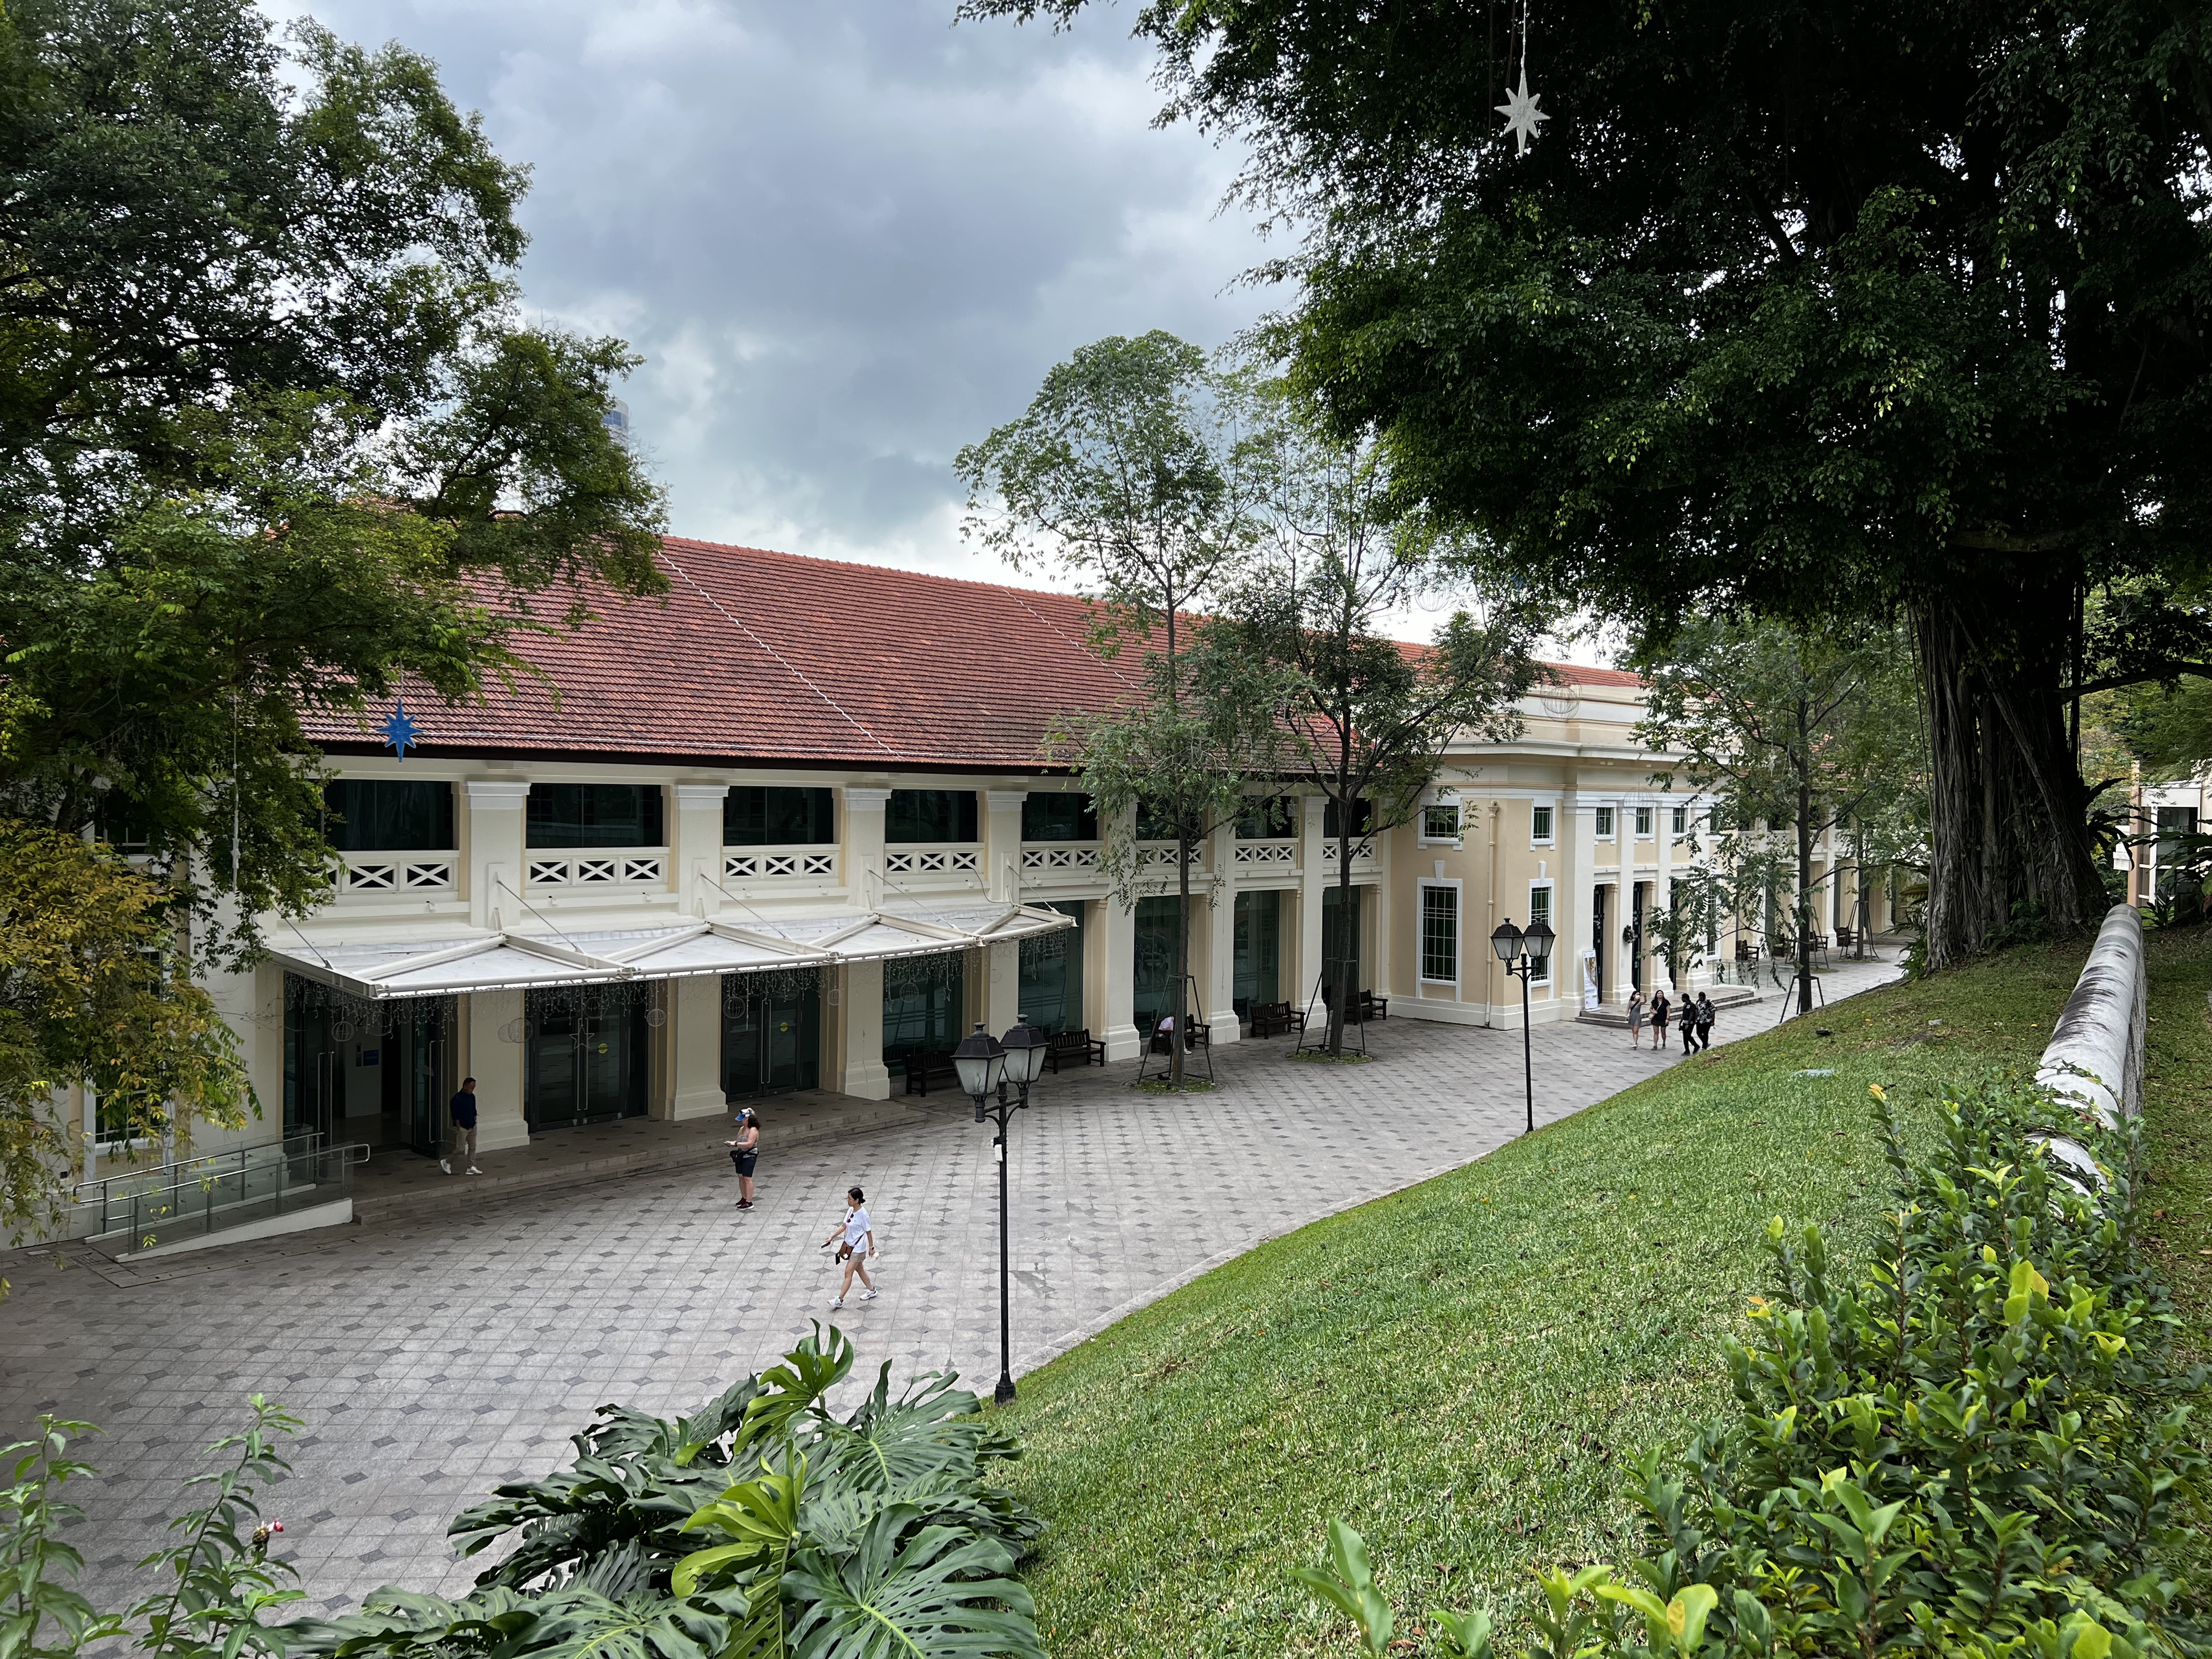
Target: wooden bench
[[1074, 1049], [926, 1068], [1201, 1035], [1373, 1007], [1274, 1019]]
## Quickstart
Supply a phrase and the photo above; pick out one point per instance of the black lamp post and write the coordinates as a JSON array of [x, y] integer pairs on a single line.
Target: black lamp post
[[987, 1065], [1524, 956]]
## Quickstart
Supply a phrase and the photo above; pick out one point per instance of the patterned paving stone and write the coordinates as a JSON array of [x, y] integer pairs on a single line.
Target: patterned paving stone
[[432, 1355]]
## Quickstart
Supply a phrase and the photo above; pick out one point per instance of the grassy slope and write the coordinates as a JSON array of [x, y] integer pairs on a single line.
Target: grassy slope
[[2178, 1115], [1460, 1370]]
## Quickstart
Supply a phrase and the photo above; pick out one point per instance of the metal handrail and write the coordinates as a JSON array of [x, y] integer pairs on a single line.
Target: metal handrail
[[295, 1145], [208, 1202], [145, 1187]]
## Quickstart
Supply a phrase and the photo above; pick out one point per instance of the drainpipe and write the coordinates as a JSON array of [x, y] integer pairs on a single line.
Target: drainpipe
[[1491, 926]]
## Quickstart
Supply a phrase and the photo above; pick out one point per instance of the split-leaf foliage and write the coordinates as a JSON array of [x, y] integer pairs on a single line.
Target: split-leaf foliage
[[762, 1526]]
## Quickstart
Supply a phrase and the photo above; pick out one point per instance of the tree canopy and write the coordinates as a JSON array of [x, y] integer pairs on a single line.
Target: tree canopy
[[1806, 312]]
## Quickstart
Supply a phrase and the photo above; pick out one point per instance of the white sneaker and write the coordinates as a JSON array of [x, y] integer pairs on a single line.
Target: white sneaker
[[867, 1295], [474, 1170], [446, 1165], [836, 1301]]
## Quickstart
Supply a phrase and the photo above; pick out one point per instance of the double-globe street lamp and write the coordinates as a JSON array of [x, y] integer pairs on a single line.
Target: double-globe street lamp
[[1524, 956], [987, 1065]]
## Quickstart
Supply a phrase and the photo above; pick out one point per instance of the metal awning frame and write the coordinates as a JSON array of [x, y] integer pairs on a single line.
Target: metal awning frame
[[568, 965]]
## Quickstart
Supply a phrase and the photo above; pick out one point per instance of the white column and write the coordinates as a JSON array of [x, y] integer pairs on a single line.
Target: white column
[[498, 1063], [695, 1047], [1217, 983], [495, 850], [1577, 837], [1002, 1003], [1313, 881], [695, 848], [1002, 847], [1662, 885], [864, 863], [866, 1077]]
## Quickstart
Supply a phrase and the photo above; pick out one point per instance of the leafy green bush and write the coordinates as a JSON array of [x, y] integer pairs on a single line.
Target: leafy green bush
[[1974, 1450], [763, 1524]]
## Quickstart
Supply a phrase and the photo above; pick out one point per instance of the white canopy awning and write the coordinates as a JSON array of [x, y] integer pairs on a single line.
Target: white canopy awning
[[529, 962]]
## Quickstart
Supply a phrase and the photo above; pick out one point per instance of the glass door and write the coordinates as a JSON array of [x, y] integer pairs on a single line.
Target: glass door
[[1050, 990], [771, 1042], [414, 1049], [1258, 946], [588, 1056]]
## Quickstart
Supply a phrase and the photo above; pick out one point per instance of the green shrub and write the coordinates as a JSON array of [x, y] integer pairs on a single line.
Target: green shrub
[[763, 1524], [1974, 1448]]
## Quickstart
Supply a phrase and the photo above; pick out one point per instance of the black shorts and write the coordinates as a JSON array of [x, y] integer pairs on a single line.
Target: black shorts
[[745, 1161]]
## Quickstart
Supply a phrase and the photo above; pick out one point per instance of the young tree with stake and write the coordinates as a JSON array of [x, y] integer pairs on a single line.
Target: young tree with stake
[[1128, 476]]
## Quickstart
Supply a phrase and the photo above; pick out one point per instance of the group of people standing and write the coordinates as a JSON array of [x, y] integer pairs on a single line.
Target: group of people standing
[[1694, 1016]]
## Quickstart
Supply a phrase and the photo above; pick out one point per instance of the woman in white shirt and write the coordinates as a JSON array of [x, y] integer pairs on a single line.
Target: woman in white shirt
[[860, 1243]]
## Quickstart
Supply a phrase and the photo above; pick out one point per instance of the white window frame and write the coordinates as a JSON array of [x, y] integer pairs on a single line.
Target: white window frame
[[1551, 836], [1647, 820], [1603, 822], [1458, 808], [1549, 889], [1679, 817], [1421, 931]]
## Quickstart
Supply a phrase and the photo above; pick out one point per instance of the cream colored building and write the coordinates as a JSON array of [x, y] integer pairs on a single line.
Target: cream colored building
[[789, 829]]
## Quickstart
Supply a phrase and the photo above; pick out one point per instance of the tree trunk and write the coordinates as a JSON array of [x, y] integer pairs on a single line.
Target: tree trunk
[[1179, 1039], [1804, 877], [2006, 816], [1344, 931]]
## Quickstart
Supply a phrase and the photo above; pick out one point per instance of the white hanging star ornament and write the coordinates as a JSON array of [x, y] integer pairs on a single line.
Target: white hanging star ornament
[[1522, 118]]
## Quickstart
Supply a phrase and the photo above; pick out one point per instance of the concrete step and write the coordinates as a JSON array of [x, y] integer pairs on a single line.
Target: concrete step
[[1615, 1015]]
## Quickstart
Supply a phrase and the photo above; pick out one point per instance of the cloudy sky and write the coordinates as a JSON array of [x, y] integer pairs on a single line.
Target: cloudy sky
[[847, 237]]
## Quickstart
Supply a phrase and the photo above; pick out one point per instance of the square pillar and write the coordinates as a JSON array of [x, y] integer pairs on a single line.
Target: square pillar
[[494, 838], [1572, 898], [695, 1047], [694, 847], [864, 867], [1002, 849], [861, 1007], [1313, 880], [1117, 978], [1002, 968], [499, 1067], [1216, 928]]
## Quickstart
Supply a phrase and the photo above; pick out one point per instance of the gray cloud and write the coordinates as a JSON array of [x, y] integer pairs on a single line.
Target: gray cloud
[[848, 237]]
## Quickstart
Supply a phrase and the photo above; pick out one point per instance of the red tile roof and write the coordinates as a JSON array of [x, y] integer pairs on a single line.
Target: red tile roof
[[764, 659]]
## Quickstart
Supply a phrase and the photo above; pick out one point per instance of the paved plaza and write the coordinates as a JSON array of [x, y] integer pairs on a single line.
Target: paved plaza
[[435, 1353]]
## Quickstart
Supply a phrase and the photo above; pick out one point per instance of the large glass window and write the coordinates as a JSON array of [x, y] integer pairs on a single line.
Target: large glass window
[[1363, 816], [1440, 823], [588, 1056], [1258, 968], [381, 815], [778, 818], [1058, 816], [1439, 931], [1050, 992], [1539, 909], [1159, 921], [923, 998], [1271, 817], [1156, 821], [595, 815], [913, 815], [771, 1033]]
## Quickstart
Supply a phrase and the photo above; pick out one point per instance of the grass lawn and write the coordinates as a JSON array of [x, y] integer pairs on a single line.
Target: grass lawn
[[1464, 1369]]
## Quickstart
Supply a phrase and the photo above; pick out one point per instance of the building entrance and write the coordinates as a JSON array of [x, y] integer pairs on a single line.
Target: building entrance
[[589, 1055], [372, 1073], [771, 1036]]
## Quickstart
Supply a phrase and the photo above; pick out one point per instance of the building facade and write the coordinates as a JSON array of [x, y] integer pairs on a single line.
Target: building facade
[[794, 826]]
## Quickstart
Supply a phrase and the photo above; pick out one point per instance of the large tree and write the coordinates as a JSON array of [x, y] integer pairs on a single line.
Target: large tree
[[1130, 476], [276, 441], [1360, 719], [1811, 311], [1793, 734]]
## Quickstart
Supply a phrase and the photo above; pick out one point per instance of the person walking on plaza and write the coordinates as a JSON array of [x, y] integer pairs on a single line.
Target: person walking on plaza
[[1660, 1009], [462, 1109], [1636, 1019], [1704, 1021], [860, 1244], [744, 1153]]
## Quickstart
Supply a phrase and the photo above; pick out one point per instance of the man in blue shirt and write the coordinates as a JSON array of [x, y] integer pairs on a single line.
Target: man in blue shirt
[[463, 1111]]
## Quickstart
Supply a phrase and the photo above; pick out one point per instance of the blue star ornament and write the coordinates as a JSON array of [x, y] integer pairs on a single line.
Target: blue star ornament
[[399, 731], [1522, 118]]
